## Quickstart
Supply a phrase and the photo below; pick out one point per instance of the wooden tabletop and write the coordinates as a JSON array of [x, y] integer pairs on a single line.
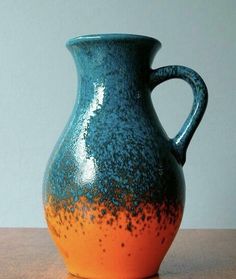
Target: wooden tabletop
[[195, 254]]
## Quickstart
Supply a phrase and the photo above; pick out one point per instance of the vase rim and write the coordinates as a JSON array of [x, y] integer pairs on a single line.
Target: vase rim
[[111, 37]]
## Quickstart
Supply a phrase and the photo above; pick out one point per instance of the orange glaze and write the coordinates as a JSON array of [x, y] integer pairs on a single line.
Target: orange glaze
[[96, 244]]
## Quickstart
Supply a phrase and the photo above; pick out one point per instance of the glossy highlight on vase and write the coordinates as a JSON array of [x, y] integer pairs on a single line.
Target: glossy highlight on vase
[[114, 189]]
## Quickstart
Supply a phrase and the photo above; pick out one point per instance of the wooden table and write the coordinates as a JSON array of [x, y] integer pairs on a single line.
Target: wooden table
[[195, 254]]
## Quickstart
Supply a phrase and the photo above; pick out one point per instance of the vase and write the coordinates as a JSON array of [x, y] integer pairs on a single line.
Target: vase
[[114, 188]]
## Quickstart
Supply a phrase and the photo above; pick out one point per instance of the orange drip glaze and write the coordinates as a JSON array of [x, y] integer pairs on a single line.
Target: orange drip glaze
[[96, 243]]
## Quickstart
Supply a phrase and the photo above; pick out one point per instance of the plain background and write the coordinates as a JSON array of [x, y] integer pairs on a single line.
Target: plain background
[[38, 89]]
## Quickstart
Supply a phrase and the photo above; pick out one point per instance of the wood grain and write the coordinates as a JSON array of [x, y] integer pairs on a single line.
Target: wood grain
[[195, 254]]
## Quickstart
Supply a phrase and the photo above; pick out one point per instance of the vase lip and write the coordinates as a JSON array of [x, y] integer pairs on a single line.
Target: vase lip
[[111, 37]]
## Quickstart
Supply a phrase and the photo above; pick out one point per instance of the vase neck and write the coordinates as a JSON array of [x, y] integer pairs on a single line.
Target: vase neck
[[115, 66], [112, 55]]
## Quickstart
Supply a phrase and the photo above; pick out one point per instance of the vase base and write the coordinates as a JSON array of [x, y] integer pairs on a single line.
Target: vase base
[[112, 276]]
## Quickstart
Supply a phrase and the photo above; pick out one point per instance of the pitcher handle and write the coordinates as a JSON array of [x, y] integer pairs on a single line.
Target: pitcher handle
[[180, 142]]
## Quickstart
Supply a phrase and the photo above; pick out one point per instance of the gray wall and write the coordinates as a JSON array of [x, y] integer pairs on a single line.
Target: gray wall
[[38, 85]]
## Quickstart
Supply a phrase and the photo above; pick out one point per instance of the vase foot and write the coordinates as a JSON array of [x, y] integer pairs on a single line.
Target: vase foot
[[72, 275]]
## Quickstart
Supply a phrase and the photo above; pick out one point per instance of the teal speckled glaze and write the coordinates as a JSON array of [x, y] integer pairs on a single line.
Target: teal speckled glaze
[[114, 189]]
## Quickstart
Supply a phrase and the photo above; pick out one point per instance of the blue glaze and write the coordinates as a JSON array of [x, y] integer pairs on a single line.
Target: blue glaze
[[114, 145]]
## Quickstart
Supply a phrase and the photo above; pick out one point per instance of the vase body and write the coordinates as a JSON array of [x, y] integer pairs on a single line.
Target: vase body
[[114, 189]]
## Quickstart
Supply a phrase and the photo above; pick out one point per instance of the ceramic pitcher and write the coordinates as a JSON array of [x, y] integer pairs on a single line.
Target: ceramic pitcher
[[114, 188]]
